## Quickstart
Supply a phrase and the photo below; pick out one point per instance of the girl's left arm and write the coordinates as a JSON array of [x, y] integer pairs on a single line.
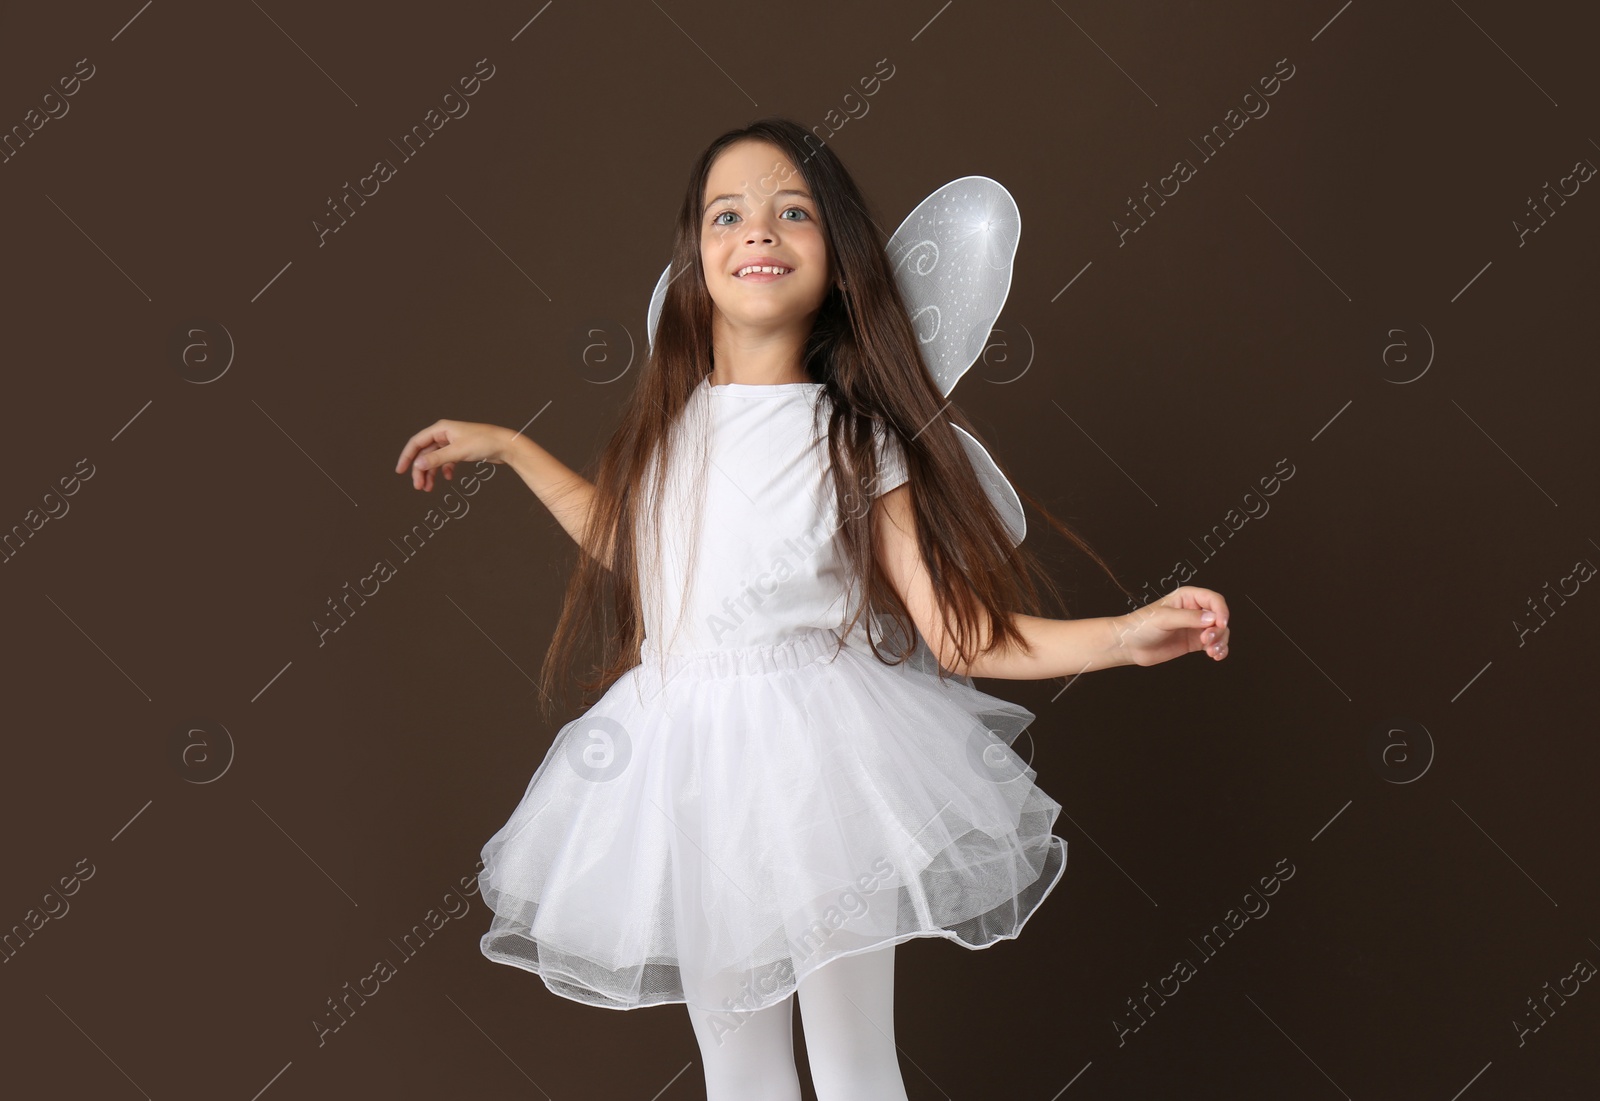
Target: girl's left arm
[[1187, 619]]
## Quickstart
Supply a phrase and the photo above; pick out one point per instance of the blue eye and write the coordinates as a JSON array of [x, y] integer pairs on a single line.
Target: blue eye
[[790, 210]]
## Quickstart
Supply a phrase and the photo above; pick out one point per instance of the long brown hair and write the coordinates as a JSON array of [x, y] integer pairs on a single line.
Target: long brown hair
[[863, 349]]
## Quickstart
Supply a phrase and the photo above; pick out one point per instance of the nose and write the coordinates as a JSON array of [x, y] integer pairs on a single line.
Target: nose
[[758, 226]]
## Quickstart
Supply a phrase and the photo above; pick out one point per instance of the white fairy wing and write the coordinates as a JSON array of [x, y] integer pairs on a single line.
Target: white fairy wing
[[952, 261], [1000, 491], [657, 298]]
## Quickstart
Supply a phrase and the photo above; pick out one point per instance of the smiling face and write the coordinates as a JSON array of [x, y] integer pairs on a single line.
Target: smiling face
[[758, 210]]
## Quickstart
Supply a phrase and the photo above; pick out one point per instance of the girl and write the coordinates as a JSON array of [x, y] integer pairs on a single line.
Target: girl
[[761, 803]]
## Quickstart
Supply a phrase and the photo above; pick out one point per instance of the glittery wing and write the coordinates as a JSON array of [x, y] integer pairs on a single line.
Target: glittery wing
[[952, 260], [657, 298]]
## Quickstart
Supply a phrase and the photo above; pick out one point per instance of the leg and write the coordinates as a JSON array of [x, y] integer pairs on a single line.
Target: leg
[[847, 1008], [748, 1056]]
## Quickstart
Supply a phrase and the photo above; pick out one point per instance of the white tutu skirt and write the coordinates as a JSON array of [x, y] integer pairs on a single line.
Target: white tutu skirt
[[721, 824]]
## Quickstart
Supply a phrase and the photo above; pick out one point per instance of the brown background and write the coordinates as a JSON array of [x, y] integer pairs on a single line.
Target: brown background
[[1380, 588]]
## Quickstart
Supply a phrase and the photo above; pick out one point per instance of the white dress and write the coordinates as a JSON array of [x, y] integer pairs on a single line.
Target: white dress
[[745, 804]]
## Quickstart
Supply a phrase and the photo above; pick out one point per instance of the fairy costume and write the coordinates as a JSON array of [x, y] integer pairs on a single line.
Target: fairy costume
[[753, 799]]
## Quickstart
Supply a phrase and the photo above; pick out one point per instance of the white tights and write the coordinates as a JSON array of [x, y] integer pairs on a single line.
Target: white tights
[[847, 1010]]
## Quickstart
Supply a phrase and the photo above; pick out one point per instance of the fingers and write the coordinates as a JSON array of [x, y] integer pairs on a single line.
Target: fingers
[[421, 452], [432, 458], [1209, 612], [1215, 640], [1206, 600], [435, 435], [1215, 616], [422, 467]]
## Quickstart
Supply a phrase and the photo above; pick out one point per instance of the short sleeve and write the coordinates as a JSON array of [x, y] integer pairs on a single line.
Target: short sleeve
[[891, 460]]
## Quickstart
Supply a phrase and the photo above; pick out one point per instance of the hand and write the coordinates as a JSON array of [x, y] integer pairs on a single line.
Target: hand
[[445, 443], [1185, 620]]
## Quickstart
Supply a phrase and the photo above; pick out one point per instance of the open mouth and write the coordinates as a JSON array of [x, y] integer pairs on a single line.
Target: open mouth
[[761, 273]]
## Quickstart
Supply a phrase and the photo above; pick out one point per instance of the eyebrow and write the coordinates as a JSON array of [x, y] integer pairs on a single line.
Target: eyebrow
[[785, 191]]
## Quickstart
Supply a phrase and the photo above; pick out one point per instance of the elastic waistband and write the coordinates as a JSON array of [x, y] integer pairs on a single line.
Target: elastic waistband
[[803, 648]]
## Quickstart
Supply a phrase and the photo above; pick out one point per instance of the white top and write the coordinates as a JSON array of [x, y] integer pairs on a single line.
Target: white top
[[769, 565]]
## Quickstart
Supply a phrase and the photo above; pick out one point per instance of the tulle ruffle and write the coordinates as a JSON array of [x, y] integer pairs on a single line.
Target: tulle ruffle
[[721, 824]]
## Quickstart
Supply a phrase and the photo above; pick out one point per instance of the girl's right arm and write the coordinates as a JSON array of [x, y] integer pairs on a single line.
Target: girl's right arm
[[568, 495]]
